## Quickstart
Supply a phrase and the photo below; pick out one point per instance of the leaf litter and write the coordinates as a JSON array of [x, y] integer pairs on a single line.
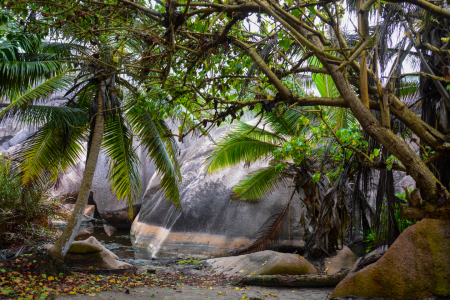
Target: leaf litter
[[19, 279]]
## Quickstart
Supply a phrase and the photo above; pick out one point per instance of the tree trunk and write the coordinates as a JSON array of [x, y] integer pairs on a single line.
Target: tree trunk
[[296, 280], [412, 162], [428, 211], [63, 243], [364, 84]]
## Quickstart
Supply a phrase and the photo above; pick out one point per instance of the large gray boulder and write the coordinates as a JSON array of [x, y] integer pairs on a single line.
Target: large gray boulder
[[109, 207], [210, 223]]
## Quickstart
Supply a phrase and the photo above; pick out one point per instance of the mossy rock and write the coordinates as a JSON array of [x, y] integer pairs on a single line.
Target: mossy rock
[[417, 265], [289, 264], [84, 247]]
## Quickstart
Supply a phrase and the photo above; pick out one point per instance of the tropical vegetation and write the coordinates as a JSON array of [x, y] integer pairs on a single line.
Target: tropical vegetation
[[134, 63]]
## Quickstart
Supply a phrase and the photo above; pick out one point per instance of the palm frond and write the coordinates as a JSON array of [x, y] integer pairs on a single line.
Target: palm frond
[[342, 117], [123, 167], [40, 114], [236, 148], [268, 233], [51, 150], [152, 139], [257, 133], [170, 143], [258, 184], [40, 92], [287, 124]]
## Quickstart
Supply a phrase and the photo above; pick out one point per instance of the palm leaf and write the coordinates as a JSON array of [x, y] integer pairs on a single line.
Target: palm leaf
[[287, 124], [123, 167], [257, 133], [40, 114], [52, 149], [267, 233], [258, 184], [151, 136], [40, 92], [236, 148]]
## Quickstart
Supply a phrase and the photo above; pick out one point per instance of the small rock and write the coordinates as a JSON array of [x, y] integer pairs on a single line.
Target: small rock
[[344, 257], [110, 230], [89, 210], [86, 231]]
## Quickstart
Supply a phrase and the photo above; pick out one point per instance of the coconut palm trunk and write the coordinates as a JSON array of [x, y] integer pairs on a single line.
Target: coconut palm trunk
[[62, 245]]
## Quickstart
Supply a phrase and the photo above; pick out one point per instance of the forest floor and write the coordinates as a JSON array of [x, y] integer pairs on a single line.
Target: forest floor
[[19, 279]]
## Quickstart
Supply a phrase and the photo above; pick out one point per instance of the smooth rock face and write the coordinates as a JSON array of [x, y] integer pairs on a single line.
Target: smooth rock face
[[5, 146], [262, 263], [91, 252], [344, 257], [417, 265], [211, 223]]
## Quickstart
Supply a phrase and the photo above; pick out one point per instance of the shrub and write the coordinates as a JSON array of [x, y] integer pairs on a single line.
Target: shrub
[[25, 211]]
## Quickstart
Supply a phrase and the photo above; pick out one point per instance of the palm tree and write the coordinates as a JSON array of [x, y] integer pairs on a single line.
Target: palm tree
[[104, 109]]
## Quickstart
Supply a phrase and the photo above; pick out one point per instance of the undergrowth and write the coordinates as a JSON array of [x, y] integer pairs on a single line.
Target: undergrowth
[[371, 238], [25, 211]]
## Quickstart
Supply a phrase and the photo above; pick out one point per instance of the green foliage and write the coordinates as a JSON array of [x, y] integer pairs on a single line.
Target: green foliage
[[326, 140], [162, 150], [371, 238], [189, 261], [55, 147], [239, 147], [258, 184], [24, 209], [123, 167]]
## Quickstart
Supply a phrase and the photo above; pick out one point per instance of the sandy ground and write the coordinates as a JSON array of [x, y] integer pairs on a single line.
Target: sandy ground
[[226, 293]]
